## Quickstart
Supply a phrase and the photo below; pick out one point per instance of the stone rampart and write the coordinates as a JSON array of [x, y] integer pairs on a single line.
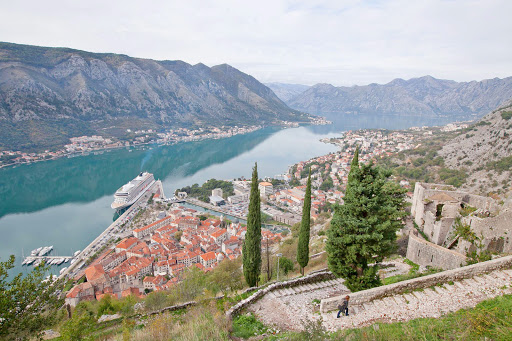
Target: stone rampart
[[426, 253], [364, 296], [497, 231]]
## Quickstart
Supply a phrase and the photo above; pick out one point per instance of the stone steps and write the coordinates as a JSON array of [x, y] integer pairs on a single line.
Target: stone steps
[[429, 302], [283, 292]]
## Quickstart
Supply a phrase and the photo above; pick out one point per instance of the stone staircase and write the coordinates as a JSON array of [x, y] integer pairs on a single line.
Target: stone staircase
[[305, 288], [429, 302]]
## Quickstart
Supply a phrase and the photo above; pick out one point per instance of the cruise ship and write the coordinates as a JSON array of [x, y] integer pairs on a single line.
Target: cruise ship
[[129, 193]]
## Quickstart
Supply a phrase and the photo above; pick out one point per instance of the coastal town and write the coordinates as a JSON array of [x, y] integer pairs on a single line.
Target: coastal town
[[153, 257], [164, 236]]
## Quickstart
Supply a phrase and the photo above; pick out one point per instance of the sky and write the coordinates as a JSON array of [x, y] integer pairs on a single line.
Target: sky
[[344, 42]]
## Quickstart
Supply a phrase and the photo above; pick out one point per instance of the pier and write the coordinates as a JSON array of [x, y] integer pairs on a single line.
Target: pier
[[49, 260]]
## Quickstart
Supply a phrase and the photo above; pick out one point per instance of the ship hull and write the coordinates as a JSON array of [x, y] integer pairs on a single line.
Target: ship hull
[[120, 206]]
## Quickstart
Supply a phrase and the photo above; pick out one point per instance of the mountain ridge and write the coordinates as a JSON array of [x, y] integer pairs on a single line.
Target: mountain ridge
[[47, 90], [425, 96]]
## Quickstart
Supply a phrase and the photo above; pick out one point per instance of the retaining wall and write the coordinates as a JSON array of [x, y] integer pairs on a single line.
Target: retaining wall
[[361, 297], [426, 253]]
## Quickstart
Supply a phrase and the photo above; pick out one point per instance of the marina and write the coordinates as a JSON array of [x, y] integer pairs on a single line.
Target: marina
[[43, 254], [49, 260]]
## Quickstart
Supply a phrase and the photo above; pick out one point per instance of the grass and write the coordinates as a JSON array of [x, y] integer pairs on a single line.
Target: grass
[[491, 319], [420, 231], [412, 274], [199, 323], [245, 326]]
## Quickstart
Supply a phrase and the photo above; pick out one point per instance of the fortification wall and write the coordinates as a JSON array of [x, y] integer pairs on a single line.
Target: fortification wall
[[364, 296], [425, 253], [497, 231]]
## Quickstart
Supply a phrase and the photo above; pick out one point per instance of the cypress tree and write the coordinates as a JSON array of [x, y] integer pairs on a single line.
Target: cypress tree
[[252, 244], [303, 244], [363, 229]]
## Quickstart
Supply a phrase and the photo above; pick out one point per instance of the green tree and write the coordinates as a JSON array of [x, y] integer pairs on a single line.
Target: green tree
[[227, 276], [327, 184], [363, 230], [80, 326], [285, 265], [252, 244], [27, 304], [106, 306], [303, 245]]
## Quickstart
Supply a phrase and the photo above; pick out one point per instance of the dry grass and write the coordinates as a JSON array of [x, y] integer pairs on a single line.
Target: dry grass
[[199, 323]]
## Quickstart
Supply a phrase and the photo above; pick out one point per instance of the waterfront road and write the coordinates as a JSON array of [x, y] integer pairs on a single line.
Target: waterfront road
[[106, 236]]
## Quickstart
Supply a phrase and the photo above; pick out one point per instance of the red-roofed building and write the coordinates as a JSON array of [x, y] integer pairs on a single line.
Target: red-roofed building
[[80, 292], [131, 291], [140, 250], [126, 244], [152, 283], [219, 235], [148, 229], [188, 223], [113, 260], [208, 259], [97, 277]]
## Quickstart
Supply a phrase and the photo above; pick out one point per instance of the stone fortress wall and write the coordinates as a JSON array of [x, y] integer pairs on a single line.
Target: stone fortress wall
[[436, 207], [426, 253]]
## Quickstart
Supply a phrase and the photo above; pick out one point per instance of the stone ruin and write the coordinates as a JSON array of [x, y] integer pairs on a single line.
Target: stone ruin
[[437, 208]]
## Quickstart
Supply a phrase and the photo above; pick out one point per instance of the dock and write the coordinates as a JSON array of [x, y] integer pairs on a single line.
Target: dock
[[36, 260]]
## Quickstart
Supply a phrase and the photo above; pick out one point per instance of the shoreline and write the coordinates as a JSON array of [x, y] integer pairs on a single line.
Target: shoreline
[[88, 152]]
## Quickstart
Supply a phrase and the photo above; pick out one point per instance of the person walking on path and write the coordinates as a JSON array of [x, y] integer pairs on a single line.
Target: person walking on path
[[343, 308]]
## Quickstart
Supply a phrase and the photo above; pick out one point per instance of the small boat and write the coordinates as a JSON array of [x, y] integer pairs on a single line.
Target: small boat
[[62, 270], [29, 260], [66, 260], [37, 262], [76, 253], [60, 261], [35, 252], [73, 260]]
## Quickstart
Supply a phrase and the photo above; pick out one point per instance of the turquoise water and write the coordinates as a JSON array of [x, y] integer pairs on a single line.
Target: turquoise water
[[66, 202]]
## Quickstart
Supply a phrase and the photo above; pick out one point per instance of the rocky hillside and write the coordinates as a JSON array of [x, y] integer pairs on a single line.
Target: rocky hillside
[[477, 159], [424, 96], [484, 151], [287, 91], [61, 92]]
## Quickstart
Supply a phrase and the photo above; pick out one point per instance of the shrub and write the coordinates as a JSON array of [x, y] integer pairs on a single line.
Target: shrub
[[245, 326], [506, 115]]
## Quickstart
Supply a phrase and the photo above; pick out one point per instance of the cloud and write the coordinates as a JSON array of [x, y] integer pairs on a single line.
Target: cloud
[[339, 42]]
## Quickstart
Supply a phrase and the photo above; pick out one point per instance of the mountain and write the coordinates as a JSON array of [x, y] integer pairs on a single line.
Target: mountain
[[50, 94], [484, 151], [424, 96], [287, 91]]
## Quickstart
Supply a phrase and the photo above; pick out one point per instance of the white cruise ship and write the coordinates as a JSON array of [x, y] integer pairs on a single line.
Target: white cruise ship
[[129, 193]]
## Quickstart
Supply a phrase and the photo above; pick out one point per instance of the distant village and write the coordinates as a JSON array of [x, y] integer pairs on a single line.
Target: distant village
[[87, 144]]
